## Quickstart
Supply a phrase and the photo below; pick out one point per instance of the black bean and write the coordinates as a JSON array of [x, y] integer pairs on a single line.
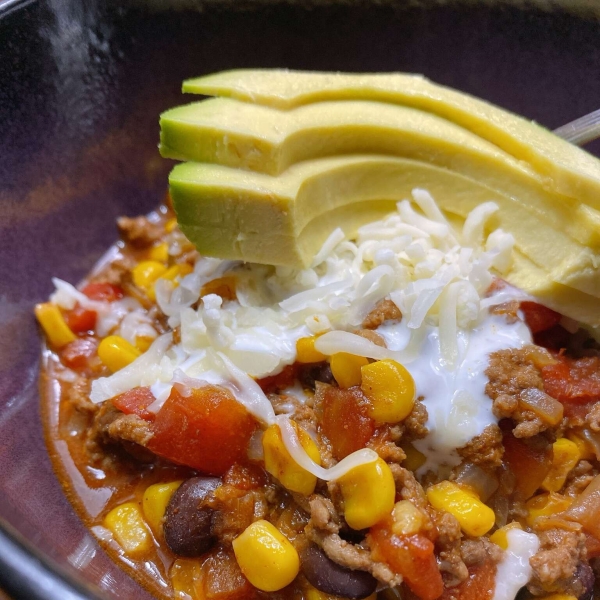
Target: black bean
[[584, 575], [188, 525], [310, 373], [331, 578]]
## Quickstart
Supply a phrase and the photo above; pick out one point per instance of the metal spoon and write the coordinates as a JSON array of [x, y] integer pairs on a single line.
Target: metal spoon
[[581, 131]]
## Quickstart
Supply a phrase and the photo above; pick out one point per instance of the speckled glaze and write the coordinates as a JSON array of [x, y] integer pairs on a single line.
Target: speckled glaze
[[81, 87]]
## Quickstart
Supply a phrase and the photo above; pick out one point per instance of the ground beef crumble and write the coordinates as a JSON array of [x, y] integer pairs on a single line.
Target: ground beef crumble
[[556, 563], [486, 449], [385, 310], [510, 372]]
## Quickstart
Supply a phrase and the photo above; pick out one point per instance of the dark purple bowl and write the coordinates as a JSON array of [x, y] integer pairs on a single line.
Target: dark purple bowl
[[81, 86]]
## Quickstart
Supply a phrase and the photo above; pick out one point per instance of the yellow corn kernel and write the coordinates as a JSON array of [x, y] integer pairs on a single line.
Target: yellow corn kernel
[[306, 351], [145, 273], [54, 325], [346, 368], [154, 503], [280, 464], [116, 352], [180, 270], [415, 459], [143, 342], [566, 456], [369, 493], [545, 505], [222, 286], [127, 525], [159, 253], [183, 574], [560, 597], [474, 517], [585, 449], [499, 537], [266, 557], [407, 519], [170, 225], [391, 389]]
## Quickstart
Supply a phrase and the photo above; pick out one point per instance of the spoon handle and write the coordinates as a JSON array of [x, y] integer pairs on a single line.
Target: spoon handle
[[582, 130]]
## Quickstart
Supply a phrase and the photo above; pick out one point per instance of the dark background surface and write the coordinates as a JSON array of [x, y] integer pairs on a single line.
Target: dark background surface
[[81, 87]]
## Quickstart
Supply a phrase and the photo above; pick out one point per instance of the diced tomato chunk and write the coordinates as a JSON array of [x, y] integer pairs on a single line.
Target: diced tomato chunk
[[538, 317], [135, 402], [77, 354], [81, 320], [208, 430], [573, 380], [222, 579], [106, 292], [410, 556], [480, 585], [529, 460], [345, 420]]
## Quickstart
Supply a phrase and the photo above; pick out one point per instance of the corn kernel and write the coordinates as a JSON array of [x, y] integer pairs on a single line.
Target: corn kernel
[[129, 529], [306, 351], [54, 325], [560, 597], [585, 449], [159, 253], [154, 503], [180, 270], [223, 286], [183, 574], [545, 505], [280, 464], [266, 557], [143, 342], [170, 225], [407, 519], [499, 537], [369, 493], [566, 456], [145, 273], [415, 459], [346, 368], [391, 389], [116, 352], [474, 517]]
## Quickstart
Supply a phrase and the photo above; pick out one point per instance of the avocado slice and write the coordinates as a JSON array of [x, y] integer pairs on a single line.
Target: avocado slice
[[572, 171], [284, 220], [268, 140]]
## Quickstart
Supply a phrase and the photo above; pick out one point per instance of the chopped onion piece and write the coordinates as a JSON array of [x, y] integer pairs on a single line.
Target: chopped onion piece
[[482, 482], [586, 508], [544, 406]]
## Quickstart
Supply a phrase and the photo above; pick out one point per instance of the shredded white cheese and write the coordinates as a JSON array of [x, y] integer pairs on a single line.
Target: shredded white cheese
[[438, 278]]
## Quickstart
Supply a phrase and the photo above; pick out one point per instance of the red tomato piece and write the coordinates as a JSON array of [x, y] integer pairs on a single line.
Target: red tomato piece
[[529, 460], [208, 430], [135, 402], [573, 380], [345, 420], [245, 477], [480, 584], [410, 556], [77, 354], [81, 320], [538, 317], [106, 292]]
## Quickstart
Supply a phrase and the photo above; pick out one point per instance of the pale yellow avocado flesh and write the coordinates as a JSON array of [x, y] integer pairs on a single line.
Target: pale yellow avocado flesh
[[572, 171], [268, 140], [231, 213]]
